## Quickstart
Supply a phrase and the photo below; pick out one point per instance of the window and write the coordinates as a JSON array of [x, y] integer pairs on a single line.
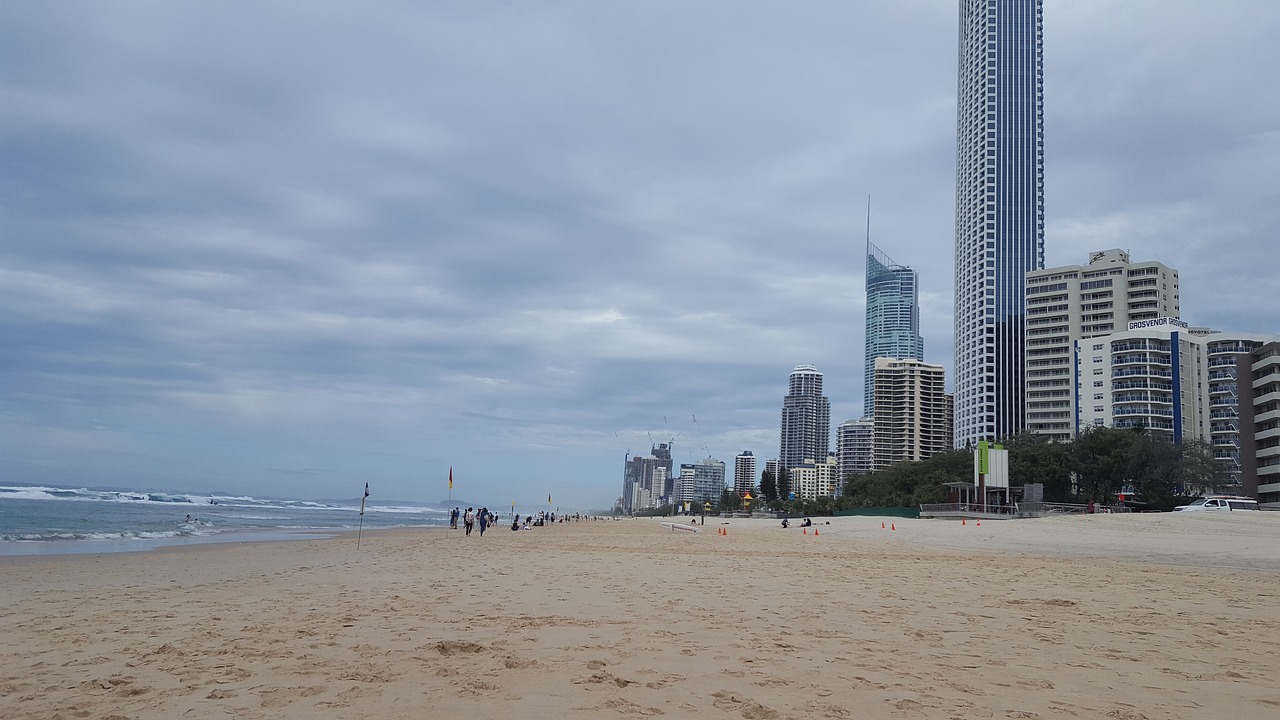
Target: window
[[1097, 396], [1098, 346], [1097, 383]]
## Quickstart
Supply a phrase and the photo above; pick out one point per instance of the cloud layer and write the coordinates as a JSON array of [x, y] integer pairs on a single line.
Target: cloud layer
[[291, 248]]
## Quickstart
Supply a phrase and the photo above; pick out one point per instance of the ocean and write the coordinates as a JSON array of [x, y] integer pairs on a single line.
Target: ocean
[[40, 520]]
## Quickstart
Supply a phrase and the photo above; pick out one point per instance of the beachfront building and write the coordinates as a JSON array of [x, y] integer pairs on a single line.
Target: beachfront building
[[1174, 381], [999, 222], [806, 418], [812, 479], [854, 446], [700, 482], [646, 479], [1075, 302], [893, 317], [913, 415], [1260, 424], [744, 473]]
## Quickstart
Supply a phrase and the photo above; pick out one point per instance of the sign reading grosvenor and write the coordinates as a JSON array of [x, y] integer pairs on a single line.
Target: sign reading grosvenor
[[1157, 322]]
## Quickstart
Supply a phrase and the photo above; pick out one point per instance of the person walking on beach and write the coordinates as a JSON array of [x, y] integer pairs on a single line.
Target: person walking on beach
[[484, 520], [469, 521]]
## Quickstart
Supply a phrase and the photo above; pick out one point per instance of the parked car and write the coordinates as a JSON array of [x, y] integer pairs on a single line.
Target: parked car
[[1221, 502]]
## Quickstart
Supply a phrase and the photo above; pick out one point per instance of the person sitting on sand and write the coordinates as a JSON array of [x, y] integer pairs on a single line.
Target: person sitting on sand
[[785, 523], [515, 524], [807, 523]]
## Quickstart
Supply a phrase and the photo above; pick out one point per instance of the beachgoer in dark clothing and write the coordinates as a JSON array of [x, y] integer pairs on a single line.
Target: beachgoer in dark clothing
[[484, 520], [469, 521]]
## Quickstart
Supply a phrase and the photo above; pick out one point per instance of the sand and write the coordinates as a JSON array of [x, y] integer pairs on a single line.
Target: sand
[[1160, 616]]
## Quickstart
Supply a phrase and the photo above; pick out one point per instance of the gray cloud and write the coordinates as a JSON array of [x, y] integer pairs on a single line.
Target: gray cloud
[[288, 249]]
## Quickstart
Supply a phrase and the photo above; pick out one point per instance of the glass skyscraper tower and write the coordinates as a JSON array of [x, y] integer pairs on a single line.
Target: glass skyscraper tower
[[893, 317], [999, 208]]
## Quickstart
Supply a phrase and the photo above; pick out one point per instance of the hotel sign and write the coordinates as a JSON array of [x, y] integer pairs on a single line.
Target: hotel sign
[[1157, 322]]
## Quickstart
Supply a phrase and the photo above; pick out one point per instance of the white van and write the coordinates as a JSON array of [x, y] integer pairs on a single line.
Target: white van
[[1221, 502]]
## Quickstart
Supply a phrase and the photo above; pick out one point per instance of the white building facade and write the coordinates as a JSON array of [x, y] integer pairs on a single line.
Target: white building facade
[[855, 446], [1074, 302], [744, 472], [1162, 375]]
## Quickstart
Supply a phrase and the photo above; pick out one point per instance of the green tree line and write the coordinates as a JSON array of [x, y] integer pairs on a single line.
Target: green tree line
[[1096, 466]]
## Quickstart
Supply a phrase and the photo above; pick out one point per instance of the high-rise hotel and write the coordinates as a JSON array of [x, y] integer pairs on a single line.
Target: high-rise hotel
[[999, 209]]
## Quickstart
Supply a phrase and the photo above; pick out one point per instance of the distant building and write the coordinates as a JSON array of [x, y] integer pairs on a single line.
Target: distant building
[[810, 479], [913, 416], [893, 317], [744, 472], [999, 209], [646, 480], [806, 418], [1075, 302], [700, 482], [854, 446], [1260, 424], [1175, 382]]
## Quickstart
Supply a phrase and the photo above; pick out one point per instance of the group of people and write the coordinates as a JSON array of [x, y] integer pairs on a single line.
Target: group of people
[[471, 518], [803, 523]]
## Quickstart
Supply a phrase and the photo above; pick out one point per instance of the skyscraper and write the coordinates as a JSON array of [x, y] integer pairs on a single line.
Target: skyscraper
[[806, 419], [744, 472], [999, 208], [893, 317]]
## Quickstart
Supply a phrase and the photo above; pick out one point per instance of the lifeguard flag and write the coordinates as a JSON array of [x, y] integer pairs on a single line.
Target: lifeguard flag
[[548, 499], [366, 495], [450, 477]]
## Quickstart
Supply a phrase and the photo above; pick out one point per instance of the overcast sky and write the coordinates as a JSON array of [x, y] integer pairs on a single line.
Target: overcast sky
[[289, 248]]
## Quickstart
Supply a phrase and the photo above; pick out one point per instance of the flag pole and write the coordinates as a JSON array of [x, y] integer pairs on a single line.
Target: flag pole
[[453, 522], [360, 530]]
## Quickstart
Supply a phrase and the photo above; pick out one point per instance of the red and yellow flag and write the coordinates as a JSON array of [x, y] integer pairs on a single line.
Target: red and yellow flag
[[450, 477]]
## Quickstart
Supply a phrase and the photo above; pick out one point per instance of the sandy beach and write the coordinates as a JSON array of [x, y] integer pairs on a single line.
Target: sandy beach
[[1103, 616]]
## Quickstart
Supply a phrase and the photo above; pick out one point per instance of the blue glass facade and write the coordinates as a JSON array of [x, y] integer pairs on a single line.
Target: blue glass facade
[[893, 317], [999, 209]]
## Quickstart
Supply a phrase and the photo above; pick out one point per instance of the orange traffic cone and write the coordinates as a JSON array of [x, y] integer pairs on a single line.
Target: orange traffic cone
[[881, 524], [979, 523], [892, 526], [804, 531], [815, 532], [962, 521]]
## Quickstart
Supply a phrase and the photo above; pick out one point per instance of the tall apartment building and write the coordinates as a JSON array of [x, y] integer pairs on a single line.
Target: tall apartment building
[[700, 482], [913, 419], [999, 209], [1260, 424], [744, 472], [893, 317], [1161, 375], [1074, 302], [806, 418], [854, 446]]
